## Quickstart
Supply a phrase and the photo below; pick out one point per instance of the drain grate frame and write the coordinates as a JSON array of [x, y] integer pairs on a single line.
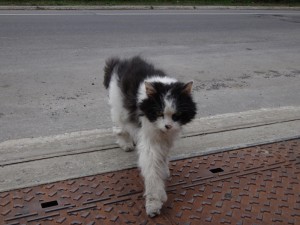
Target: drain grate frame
[[251, 185]]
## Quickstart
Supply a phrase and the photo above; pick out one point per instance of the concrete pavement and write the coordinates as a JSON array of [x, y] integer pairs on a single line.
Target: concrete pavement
[[28, 162]]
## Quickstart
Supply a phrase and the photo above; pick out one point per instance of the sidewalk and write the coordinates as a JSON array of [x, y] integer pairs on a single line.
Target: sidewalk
[[29, 162], [253, 185]]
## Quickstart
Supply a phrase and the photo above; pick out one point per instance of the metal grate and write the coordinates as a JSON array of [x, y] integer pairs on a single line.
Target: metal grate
[[255, 185]]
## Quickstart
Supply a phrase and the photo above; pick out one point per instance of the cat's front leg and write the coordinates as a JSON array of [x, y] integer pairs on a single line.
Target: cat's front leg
[[167, 170], [153, 169], [124, 139], [155, 194]]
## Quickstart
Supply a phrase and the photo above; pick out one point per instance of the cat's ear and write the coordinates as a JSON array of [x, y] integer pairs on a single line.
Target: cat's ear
[[187, 88], [150, 90]]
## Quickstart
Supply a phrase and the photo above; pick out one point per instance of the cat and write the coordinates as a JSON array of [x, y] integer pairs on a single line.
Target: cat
[[148, 109]]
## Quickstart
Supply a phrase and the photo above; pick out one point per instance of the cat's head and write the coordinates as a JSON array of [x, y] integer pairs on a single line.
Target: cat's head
[[168, 106]]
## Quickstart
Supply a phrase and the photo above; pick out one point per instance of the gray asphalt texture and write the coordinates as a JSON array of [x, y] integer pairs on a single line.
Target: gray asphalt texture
[[51, 62]]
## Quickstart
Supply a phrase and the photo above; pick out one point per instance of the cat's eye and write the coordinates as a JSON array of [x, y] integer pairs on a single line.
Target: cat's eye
[[160, 114], [176, 116], [178, 113]]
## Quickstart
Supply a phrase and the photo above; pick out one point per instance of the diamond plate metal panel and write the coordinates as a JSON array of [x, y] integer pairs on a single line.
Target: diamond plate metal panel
[[255, 185]]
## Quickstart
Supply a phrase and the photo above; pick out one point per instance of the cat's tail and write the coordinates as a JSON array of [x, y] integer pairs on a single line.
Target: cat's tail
[[108, 70]]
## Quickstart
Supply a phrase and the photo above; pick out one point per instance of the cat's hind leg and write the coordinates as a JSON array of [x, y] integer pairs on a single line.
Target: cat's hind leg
[[121, 127]]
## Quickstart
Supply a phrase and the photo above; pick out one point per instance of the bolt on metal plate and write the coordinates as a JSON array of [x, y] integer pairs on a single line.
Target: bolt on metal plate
[[255, 185]]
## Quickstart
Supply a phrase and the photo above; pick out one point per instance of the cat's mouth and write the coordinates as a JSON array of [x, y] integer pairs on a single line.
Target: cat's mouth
[[166, 131]]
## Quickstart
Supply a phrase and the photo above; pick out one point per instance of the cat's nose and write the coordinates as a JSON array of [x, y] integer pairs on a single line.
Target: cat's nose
[[168, 127]]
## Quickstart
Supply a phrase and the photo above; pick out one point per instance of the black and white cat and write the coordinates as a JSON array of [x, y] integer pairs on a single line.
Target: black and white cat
[[148, 109]]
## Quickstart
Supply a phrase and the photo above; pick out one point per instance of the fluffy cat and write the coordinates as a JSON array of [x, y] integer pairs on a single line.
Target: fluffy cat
[[148, 109]]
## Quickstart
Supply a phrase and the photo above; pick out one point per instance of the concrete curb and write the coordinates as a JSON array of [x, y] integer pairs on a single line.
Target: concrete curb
[[29, 162], [148, 7], [30, 149]]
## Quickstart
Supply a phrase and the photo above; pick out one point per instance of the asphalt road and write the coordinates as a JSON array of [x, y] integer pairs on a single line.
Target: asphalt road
[[51, 62]]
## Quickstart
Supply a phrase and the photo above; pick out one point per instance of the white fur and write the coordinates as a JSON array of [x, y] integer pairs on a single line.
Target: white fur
[[126, 132], [153, 148], [154, 141], [167, 120], [165, 80], [142, 93]]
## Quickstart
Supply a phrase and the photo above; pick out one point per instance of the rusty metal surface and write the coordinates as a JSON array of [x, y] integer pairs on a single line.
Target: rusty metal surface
[[255, 185]]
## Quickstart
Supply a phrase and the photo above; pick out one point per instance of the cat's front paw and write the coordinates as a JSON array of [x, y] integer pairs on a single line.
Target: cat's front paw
[[127, 147], [153, 207]]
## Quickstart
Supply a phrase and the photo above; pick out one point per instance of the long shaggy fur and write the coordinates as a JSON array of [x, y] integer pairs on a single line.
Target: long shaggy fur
[[148, 109]]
